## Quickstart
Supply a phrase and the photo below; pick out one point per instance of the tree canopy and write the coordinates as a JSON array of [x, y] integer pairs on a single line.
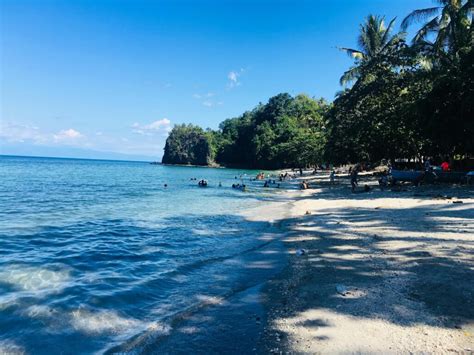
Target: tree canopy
[[285, 132], [188, 144], [407, 99]]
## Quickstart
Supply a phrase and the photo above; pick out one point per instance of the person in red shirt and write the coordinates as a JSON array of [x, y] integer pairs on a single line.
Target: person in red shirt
[[445, 166]]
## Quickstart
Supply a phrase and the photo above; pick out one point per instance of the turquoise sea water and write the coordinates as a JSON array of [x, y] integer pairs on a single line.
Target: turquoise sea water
[[94, 253]]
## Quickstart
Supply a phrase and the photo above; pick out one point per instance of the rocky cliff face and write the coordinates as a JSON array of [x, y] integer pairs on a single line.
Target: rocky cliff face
[[187, 144]]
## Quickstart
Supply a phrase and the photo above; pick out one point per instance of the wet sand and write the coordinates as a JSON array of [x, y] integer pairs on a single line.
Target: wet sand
[[381, 272]]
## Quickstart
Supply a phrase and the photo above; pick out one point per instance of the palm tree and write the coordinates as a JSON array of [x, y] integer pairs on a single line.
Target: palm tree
[[450, 23], [374, 40]]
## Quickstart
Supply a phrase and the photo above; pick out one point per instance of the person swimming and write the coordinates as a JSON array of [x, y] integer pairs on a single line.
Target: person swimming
[[304, 185]]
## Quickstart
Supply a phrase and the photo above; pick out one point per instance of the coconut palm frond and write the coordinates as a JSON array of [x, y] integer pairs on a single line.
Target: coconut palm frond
[[350, 76], [353, 53], [363, 40], [442, 39], [430, 27], [467, 7], [393, 41], [387, 31], [419, 15]]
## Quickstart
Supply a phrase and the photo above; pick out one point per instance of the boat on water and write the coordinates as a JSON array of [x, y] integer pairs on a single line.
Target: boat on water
[[417, 176], [406, 175]]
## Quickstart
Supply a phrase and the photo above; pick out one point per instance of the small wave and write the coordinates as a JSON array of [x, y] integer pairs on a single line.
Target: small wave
[[30, 278], [103, 322], [9, 347], [90, 322]]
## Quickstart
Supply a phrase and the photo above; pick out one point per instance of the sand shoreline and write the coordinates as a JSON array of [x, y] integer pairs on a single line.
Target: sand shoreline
[[382, 271]]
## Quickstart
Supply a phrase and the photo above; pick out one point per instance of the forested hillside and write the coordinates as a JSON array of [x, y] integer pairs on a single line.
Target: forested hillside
[[402, 98]]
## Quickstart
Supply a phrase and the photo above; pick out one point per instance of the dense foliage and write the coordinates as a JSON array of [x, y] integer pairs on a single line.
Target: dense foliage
[[402, 100], [287, 131], [188, 144]]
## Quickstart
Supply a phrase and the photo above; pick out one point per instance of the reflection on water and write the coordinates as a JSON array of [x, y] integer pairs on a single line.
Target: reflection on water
[[34, 279]]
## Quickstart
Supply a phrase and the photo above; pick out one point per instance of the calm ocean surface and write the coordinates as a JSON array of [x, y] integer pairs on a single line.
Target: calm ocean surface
[[93, 253]]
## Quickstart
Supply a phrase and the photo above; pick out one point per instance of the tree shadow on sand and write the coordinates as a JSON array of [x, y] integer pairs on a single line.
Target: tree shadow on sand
[[415, 273], [379, 263]]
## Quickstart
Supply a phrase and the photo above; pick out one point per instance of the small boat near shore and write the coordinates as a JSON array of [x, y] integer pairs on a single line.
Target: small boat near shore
[[406, 175], [417, 176]]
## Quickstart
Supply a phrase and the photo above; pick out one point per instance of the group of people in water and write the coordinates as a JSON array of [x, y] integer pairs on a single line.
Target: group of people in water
[[384, 178], [242, 187], [286, 176], [271, 181], [260, 176]]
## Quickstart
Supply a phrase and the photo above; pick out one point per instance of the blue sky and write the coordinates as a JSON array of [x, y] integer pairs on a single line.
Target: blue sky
[[96, 77]]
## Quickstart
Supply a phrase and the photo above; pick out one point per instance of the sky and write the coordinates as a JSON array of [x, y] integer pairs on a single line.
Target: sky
[[110, 78]]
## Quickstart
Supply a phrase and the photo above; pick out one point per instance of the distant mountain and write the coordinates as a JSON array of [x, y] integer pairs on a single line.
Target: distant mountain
[[68, 152]]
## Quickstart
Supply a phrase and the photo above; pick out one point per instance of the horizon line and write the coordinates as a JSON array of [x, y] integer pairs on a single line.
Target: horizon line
[[76, 158]]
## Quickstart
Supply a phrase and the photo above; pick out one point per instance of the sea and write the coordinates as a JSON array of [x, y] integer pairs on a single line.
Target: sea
[[104, 256]]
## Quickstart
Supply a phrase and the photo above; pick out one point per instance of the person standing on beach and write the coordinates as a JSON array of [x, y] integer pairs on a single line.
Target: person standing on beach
[[354, 174], [445, 166], [427, 165]]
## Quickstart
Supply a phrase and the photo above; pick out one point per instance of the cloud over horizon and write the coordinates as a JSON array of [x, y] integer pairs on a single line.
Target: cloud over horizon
[[159, 127], [24, 133], [68, 135], [142, 140]]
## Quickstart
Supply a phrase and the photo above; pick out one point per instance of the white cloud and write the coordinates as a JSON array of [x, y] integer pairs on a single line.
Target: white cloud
[[70, 135], [23, 133], [19, 133], [203, 96], [143, 138], [209, 103], [206, 99], [233, 78], [162, 126]]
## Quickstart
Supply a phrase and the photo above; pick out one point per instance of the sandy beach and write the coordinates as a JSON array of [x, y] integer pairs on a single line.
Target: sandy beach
[[376, 272]]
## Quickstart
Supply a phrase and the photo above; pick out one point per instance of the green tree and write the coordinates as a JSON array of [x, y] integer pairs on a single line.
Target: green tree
[[374, 41], [188, 144], [449, 23], [445, 43]]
